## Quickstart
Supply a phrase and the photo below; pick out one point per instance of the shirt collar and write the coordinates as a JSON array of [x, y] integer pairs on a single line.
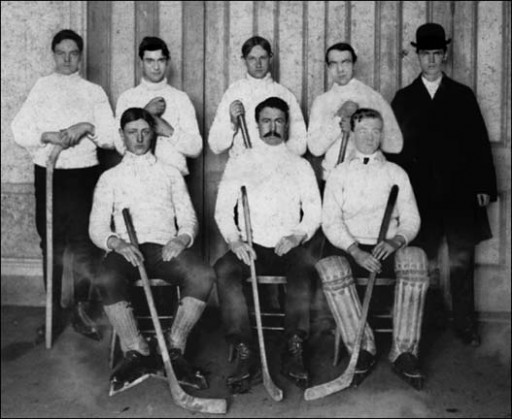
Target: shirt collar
[[149, 85], [68, 77], [350, 84], [377, 156], [147, 159], [257, 82]]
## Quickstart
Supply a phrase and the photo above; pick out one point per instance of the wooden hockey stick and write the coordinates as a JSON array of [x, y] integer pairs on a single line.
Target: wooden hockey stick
[[349, 108], [182, 399], [344, 380], [50, 165], [245, 133], [275, 392]]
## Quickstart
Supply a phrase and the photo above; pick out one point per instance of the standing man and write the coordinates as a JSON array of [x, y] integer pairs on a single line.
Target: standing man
[[280, 186], [355, 199], [448, 157], [64, 109], [244, 95], [176, 123], [328, 118], [166, 225]]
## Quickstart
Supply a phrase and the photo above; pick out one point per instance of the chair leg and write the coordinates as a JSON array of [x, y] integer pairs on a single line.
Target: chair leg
[[337, 339]]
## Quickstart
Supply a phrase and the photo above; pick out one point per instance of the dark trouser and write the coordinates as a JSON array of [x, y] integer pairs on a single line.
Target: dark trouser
[[194, 277], [72, 201], [298, 267], [458, 227]]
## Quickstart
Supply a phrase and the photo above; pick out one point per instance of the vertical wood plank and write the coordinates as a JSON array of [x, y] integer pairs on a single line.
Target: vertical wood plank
[[463, 46], [443, 13], [388, 68], [315, 71], [146, 24], [264, 14], [363, 39], [413, 15], [171, 31], [124, 52], [291, 33], [489, 65], [240, 24], [193, 84], [99, 18]]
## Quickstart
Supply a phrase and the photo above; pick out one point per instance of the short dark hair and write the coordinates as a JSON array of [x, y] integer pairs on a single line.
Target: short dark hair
[[341, 46], [68, 34], [272, 102], [364, 113], [134, 114], [152, 43], [254, 41]]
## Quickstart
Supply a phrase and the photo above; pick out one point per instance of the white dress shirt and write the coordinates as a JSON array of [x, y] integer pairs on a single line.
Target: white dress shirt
[[324, 133], [186, 140], [279, 185], [432, 86], [154, 193], [355, 199], [251, 92], [56, 102]]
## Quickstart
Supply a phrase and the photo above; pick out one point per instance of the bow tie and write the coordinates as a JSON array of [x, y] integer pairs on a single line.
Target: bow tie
[[366, 160]]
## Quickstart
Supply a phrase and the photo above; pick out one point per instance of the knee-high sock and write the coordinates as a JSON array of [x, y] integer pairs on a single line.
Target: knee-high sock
[[411, 268], [121, 318], [341, 295], [189, 312]]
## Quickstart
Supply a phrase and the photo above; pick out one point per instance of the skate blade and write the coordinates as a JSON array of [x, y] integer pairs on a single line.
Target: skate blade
[[415, 382], [116, 387]]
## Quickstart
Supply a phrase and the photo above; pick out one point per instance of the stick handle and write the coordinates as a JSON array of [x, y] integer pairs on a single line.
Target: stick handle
[[50, 165], [343, 147], [245, 132]]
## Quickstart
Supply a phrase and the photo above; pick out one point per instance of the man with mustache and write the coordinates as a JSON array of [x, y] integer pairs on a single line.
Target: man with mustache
[[243, 96], [285, 210]]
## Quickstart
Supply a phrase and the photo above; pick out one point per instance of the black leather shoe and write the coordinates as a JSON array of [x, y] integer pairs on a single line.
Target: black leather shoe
[[469, 336], [406, 367], [186, 374]]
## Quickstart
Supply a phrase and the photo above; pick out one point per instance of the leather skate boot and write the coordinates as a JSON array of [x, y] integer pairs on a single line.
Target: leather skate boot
[[406, 367], [293, 362], [132, 370], [186, 374], [364, 366], [246, 370], [83, 324]]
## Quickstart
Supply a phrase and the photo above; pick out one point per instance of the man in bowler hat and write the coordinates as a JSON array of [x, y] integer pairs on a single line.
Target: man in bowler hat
[[448, 157]]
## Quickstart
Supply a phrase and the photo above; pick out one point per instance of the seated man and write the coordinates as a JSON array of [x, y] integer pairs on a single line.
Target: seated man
[[354, 202], [280, 185], [165, 224]]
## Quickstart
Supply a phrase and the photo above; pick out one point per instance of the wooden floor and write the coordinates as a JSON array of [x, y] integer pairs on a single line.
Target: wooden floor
[[71, 379]]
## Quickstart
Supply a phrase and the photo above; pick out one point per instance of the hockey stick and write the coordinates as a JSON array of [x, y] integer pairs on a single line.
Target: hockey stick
[[348, 109], [50, 165], [275, 392], [344, 380], [245, 133], [179, 396]]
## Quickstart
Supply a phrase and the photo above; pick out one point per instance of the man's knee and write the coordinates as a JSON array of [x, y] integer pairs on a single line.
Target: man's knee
[[335, 270], [227, 268], [411, 263]]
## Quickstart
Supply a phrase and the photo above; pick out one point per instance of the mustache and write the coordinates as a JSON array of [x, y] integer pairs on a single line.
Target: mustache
[[272, 134]]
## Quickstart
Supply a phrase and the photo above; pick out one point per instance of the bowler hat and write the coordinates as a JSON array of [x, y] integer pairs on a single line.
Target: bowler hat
[[430, 36]]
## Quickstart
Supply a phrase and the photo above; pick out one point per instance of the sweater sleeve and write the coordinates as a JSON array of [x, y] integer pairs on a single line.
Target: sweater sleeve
[[227, 199], [324, 129], [310, 201], [222, 132], [101, 213], [186, 218], [297, 141]]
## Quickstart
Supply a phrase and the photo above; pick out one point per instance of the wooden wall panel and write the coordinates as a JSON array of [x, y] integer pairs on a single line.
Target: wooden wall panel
[[205, 40]]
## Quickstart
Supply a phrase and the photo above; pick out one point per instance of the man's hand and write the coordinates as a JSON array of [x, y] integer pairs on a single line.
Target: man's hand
[[242, 251], [127, 250], [366, 260], [287, 243], [174, 247], [53, 137], [73, 134], [235, 110], [483, 199], [345, 112], [156, 106], [387, 247]]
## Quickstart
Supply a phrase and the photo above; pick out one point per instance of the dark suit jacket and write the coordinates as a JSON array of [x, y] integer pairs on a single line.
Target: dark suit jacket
[[446, 151]]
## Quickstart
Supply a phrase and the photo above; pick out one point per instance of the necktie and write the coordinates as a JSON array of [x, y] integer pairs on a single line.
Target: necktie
[[366, 160]]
